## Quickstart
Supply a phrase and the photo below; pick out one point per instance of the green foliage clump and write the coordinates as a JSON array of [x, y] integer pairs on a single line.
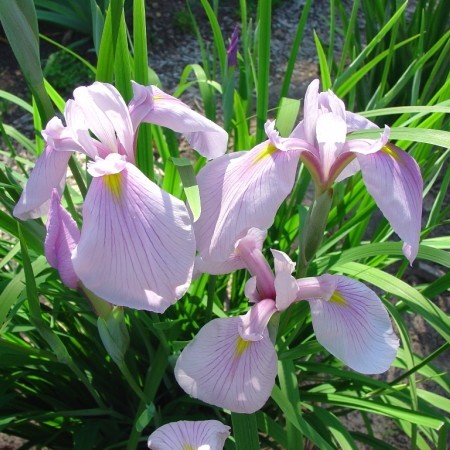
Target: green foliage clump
[[64, 72]]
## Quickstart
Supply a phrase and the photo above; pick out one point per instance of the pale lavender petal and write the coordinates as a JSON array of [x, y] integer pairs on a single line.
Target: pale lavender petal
[[250, 290], [357, 122], [368, 146], [152, 105], [240, 191], [220, 368], [254, 323], [249, 250], [330, 102], [331, 132], [282, 262], [306, 129], [290, 290], [49, 173], [286, 290], [187, 435], [254, 239], [393, 179], [137, 246], [107, 116], [61, 138], [354, 326], [61, 239], [349, 170]]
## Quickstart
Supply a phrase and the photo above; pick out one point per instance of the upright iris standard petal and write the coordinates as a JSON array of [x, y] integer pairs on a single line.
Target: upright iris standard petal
[[152, 105], [107, 116], [253, 239], [240, 191], [353, 325], [393, 179], [62, 238], [221, 368], [137, 245], [187, 435], [49, 173]]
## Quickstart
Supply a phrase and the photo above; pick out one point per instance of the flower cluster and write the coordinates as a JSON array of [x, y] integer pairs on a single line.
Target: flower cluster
[[138, 244], [136, 247]]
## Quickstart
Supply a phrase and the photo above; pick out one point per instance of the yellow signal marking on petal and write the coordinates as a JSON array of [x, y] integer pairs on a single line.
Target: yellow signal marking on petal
[[114, 183], [188, 447], [391, 152], [269, 150], [338, 299], [241, 347]]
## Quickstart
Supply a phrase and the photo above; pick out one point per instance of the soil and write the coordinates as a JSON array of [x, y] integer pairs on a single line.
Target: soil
[[172, 46]]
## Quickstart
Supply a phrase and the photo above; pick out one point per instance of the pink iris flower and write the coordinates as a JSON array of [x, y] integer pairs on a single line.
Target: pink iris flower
[[232, 362], [245, 189], [136, 247], [187, 435]]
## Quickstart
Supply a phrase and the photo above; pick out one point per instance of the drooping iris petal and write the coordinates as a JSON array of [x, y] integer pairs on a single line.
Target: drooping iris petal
[[152, 105], [354, 326], [240, 191], [49, 173], [107, 116], [189, 435], [137, 246], [393, 179], [61, 239], [222, 369]]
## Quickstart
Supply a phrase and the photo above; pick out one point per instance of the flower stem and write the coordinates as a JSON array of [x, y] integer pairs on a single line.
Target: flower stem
[[315, 225]]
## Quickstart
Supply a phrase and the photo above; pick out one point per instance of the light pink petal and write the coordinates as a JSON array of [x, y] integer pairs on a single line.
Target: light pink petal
[[349, 170], [331, 132], [187, 435], [61, 138], [286, 290], [254, 239], [368, 146], [250, 290], [220, 368], [306, 129], [393, 179], [249, 250], [137, 246], [290, 290], [240, 191], [107, 116], [357, 122], [330, 102], [282, 262], [354, 326], [254, 323], [152, 105], [61, 239], [49, 173]]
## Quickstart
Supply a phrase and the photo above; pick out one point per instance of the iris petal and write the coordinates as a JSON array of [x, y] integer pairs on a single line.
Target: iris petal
[[49, 173], [222, 369], [137, 246], [183, 435]]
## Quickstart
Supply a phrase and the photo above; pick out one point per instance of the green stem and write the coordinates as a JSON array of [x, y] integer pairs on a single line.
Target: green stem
[[315, 225]]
